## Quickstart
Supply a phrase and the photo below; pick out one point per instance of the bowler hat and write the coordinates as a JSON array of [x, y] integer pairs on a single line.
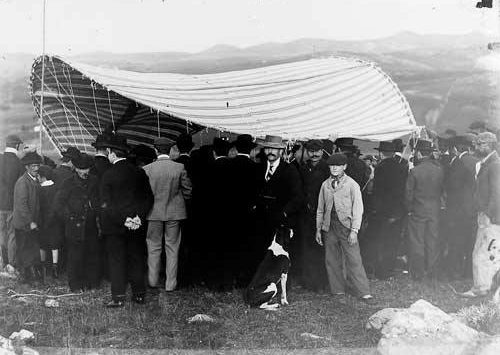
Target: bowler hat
[[244, 142], [83, 161], [337, 159], [314, 145], [100, 141], [220, 146], [345, 142], [398, 144], [13, 139], [273, 142], [385, 146], [31, 158], [71, 152], [144, 153], [424, 146], [184, 142], [162, 141], [117, 142]]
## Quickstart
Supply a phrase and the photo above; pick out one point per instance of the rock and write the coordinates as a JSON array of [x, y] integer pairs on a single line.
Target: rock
[[426, 329], [51, 303], [200, 318], [380, 318], [8, 347], [22, 336], [490, 346], [313, 336]]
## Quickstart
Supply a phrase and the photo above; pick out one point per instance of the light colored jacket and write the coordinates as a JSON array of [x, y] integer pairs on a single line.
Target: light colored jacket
[[26, 203], [171, 186], [348, 203]]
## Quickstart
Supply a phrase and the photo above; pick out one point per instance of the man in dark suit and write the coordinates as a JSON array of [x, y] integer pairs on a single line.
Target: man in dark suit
[[101, 161], [459, 182], [26, 219], [389, 207], [279, 195], [424, 190], [126, 199], [311, 263], [11, 169]]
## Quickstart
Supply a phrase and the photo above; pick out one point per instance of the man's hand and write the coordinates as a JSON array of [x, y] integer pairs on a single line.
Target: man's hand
[[352, 238], [33, 226], [319, 237]]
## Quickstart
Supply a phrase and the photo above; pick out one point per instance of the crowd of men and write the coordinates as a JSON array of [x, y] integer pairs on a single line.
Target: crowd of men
[[171, 217]]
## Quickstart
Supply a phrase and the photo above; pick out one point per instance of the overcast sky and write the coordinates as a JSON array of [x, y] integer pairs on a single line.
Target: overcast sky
[[76, 26]]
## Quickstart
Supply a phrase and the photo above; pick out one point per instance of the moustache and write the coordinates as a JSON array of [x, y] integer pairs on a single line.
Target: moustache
[[271, 154]]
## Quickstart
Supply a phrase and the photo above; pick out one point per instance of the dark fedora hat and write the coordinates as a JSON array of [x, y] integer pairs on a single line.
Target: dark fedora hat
[[84, 161], [118, 142], [31, 158], [184, 142], [244, 142], [13, 139], [314, 145], [424, 146], [337, 159], [71, 152], [46, 171], [344, 142], [100, 141], [385, 146], [144, 153], [162, 142], [273, 142], [398, 145]]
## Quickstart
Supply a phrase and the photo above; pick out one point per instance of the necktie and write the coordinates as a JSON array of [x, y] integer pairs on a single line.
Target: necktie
[[269, 172], [335, 183]]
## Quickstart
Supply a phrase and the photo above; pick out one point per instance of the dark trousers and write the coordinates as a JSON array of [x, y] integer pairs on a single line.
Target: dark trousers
[[387, 242], [127, 263], [423, 244], [461, 235], [83, 263], [28, 249]]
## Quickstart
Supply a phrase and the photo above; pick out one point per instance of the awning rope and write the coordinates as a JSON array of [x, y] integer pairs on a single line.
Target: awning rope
[[111, 111], [95, 105]]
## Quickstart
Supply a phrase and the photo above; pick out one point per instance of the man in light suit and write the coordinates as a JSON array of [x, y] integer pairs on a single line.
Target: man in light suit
[[171, 186]]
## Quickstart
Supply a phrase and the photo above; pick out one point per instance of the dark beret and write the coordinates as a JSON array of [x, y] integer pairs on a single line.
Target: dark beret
[[337, 159]]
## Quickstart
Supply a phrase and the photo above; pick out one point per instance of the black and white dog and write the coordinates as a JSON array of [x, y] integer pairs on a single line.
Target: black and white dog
[[273, 270]]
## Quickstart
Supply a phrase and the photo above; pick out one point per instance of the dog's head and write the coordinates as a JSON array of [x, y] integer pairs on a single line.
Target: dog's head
[[282, 236]]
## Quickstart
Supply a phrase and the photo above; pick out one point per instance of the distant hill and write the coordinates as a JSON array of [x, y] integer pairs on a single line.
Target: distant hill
[[439, 74]]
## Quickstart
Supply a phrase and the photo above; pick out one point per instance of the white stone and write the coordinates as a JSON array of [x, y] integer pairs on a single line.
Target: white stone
[[380, 318], [7, 347], [200, 318], [51, 303], [23, 335], [490, 347]]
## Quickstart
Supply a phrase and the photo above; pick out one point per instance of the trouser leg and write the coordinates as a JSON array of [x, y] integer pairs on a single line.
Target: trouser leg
[[388, 241], [355, 271], [117, 258], [432, 250], [92, 261], [136, 261], [333, 262], [416, 229], [154, 244], [4, 238], [11, 241], [75, 265], [172, 243]]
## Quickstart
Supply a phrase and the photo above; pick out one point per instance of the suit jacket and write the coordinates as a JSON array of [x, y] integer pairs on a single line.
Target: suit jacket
[[458, 184], [101, 164], [243, 184], [424, 189], [312, 179], [125, 192], [170, 185], [487, 188], [389, 185], [61, 173], [26, 202], [11, 169], [281, 195], [357, 170]]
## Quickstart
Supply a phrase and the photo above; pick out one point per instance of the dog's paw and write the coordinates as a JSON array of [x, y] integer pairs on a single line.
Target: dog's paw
[[284, 302]]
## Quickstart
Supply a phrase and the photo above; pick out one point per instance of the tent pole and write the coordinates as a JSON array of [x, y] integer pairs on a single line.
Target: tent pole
[[40, 121]]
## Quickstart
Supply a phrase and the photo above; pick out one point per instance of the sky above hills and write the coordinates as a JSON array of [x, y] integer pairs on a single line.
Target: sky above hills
[[75, 26]]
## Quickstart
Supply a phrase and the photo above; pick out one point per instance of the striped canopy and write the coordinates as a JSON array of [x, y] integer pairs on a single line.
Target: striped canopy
[[316, 98]]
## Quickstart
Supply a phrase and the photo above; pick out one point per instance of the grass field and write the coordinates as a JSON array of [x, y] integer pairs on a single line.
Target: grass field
[[83, 321]]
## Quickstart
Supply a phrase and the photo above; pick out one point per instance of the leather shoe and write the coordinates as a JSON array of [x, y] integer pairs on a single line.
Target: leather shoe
[[139, 299], [115, 304]]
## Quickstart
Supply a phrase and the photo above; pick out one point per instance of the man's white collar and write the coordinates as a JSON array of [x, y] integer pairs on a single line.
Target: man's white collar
[[47, 183], [163, 156], [119, 159], [245, 155], [10, 150]]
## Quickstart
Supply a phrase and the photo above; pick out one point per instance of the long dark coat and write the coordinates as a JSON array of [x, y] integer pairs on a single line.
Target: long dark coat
[[51, 232], [487, 188], [101, 164], [389, 188], [11, 169], [61, 173]]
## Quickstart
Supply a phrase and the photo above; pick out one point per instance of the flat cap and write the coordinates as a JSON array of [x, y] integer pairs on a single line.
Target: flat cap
[[314, 145], [13, 139], [31, 158], [337, 159], [162, 141]]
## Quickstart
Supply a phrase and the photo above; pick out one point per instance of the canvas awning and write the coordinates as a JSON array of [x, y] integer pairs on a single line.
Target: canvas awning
[[314, 98]]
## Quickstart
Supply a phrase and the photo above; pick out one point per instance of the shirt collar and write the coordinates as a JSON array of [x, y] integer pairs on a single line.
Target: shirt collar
[[398, 154], [274, 165], [47, 183], [222, 156], [119, 159], [462, 154], [163, 156], [245, 155], [10, 150], [101, 155], [487, 157], [32, 177]]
